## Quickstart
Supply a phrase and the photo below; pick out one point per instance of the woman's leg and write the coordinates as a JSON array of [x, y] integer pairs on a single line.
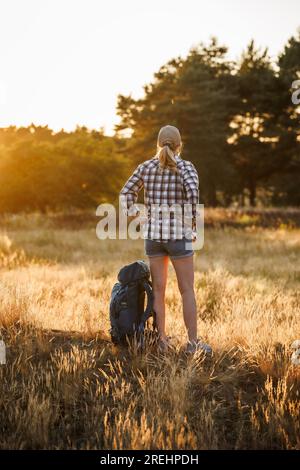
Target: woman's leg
[[159, 273], [184, 268]]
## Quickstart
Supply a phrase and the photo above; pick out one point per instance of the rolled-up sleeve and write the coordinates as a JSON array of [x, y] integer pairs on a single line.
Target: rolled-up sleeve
[[130, 190]]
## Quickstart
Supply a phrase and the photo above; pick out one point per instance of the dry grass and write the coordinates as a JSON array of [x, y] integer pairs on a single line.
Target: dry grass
[[66, 386]]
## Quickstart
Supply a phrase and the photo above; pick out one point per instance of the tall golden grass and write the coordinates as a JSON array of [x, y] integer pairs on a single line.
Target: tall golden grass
[[66, 386]]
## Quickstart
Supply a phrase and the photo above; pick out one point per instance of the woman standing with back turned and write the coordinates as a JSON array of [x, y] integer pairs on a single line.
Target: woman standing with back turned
[[169, 181]]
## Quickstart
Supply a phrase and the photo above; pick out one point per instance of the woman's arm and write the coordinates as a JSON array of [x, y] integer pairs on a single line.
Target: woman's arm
[[191, 185], [130, 190]]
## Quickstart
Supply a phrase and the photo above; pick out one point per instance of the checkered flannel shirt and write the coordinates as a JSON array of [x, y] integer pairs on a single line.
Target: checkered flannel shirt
[[164, 190]]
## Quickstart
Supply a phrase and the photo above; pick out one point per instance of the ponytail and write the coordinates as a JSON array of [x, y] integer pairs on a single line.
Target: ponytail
[[166, 157]]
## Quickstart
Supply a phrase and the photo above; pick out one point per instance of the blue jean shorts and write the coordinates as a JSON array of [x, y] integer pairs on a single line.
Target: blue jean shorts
[[175, 249]]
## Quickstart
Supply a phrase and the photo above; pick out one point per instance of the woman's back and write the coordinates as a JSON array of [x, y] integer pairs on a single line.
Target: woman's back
[[168, 195]]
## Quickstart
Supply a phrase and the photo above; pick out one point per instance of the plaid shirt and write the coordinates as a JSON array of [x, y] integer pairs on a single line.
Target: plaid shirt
[[170, 198]]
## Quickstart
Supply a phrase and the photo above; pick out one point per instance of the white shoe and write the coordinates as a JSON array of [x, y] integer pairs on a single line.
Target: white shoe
[[164, 344], [194, 346]]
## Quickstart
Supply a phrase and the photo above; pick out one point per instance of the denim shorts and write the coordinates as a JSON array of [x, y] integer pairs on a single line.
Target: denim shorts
[[175, 249]]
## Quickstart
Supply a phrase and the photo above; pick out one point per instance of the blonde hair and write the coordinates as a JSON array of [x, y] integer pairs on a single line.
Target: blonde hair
[[166, 156]]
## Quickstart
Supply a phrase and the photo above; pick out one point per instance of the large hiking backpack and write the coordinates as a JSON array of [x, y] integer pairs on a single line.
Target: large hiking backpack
[[128, 314]]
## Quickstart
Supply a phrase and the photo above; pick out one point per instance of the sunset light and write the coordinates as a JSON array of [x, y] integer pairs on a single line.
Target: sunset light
[[64, 62]]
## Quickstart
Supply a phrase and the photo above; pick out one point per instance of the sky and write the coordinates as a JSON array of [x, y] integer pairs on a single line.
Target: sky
[[64, 62]]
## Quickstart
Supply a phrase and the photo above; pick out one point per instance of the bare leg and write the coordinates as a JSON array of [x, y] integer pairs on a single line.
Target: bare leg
[[184, 268], [159, 274]]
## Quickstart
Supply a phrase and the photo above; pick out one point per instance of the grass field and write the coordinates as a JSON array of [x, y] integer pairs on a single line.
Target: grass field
[[66, 386]]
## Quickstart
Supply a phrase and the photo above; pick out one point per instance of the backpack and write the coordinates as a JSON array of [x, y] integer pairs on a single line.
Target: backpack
[[128, 315]]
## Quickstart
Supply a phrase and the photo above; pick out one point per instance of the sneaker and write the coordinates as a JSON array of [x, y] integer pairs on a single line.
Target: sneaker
[[194, 346], [164, 344]]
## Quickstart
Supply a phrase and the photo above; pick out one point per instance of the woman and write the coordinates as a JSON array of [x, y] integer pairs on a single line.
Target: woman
[[170, 183]]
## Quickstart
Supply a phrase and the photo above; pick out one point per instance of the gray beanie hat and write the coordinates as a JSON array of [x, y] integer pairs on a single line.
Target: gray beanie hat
[[169, 135]]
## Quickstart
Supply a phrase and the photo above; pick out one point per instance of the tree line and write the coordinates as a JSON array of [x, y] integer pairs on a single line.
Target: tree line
[[45, 171], [237, 120]]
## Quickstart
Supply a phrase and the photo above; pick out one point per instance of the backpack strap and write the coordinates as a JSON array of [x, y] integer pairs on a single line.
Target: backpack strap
[[114, 301], [149, 307]]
